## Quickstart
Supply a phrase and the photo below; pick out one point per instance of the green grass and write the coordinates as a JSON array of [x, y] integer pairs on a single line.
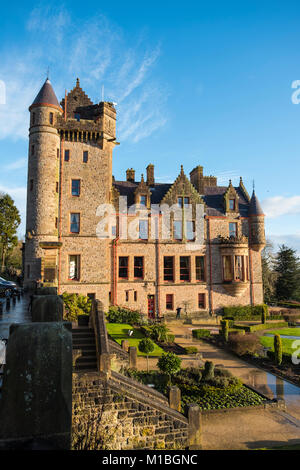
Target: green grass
[[119, 331], [268, 341]]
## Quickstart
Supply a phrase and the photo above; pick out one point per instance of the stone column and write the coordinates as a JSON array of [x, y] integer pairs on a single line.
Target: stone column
[[125, 345], [195, 427], [175, 398], [132, 357], [105, 363]]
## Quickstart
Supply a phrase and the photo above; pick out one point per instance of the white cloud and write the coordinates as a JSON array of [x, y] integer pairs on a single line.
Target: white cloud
[[16, 165], [226, 175], [292, 241], [97, 53], [279, 205]]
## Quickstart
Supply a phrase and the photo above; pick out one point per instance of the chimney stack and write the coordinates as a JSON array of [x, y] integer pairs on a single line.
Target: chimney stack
[[130, 175], [150, 175]]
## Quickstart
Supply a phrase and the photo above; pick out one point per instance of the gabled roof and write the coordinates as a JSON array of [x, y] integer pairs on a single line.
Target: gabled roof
[[255, 207], [46, 95]]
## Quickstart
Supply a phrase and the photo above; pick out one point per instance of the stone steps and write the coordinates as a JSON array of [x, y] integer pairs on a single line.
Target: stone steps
[[84, 340]]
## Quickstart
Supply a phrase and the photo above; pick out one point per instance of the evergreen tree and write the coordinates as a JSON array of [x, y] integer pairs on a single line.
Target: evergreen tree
[[287, 267], [268, 274], [9, 223]]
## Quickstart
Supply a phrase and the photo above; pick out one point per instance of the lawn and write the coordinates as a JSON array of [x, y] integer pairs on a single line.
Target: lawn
[[268, 341], [119, 331]]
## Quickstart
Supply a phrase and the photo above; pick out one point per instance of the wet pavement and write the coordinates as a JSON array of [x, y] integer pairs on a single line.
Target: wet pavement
[[17, 312]]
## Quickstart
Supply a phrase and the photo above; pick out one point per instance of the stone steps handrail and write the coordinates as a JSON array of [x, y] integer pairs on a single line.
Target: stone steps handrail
[[128, 382], [101, 337]]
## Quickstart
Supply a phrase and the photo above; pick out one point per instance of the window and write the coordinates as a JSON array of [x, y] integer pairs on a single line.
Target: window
[[32, 150], [127, 295], [233, 229], [75, 187], [135, 295], [51, 118], [91, 296], [186, 201], [138, 267], [232, 204], [85, 156], [143, 229], [184, 268], [123, 267], [28, 271], [169, 302], [201, 300], [31, 185], [177, 230], [75, 223], [56, 186], [238, 268], [247, 267], [183, 201], [109, 296], [33, 119], [77, 116], [190, 230], [67, 155], [143, 200], [180, 202], [57, 153], [56, 222], [227, 268], [200, 268], [169, 268], [74, 267]]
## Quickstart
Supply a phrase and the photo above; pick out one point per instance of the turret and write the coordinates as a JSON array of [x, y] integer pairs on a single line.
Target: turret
[[43, 178], [257, 224]]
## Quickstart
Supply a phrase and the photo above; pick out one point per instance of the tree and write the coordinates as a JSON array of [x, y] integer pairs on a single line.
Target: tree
[[278, 349], [209, 371], [169, 364], [268, 273], [225, 329], [287, 268], [9, 222], [146, 346]]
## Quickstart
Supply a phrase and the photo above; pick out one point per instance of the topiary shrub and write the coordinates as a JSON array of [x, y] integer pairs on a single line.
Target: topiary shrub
[[209, 371], [263, 317], [201, 333], [118, 314], [244, 344], [278, 349], [170, 364], [245, 312], [224, 331], [146, 346]]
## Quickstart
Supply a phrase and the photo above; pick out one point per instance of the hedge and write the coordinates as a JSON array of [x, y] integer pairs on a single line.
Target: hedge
[[201, 333], [191, 350], [261, 326], [285, 356], [245, 312], [288, 304]]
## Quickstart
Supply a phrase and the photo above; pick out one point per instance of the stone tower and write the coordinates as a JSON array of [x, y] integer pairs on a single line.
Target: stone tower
[[257, 224], [42, 185]]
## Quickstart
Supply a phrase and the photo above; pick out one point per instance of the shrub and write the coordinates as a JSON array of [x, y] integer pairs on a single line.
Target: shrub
[[158, 333], [263, 317], [146, 346], [170, 364], [191, 350], [123, 315], [266, 326], [201, 333], [209, 371], [245, 312], [278, 349], [170, 338], [76, 304], [244, 344], [224, 325]]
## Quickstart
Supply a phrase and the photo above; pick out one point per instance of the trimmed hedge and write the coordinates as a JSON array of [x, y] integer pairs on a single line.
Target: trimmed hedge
[[285, 356], [261, 326], [246, 312], [288, 304], [201, 333], [191, 350]]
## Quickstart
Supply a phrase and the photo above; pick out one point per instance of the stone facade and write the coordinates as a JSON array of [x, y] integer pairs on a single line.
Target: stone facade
[[71, 144]]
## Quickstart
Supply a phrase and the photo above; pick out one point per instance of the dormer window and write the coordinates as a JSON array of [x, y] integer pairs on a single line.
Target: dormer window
[[232, 204], [183, 201]]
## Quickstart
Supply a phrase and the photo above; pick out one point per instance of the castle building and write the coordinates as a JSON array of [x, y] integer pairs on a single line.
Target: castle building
[[77, 231]]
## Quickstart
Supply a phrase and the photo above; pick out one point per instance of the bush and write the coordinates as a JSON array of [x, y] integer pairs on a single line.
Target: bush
[[224, 331], [146, 346], [244, 344], [191, 350], [245, 312], [209, 371], [170, 364], [123, 315], [278, 349], [266, 326], [289, 304], [158, 333], [201, 333], [76, 304]]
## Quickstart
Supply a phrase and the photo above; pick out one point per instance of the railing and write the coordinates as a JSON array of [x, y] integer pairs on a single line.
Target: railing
[[101, 337]]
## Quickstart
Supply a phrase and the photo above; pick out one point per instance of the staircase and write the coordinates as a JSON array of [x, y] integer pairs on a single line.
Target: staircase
[[84, 340]]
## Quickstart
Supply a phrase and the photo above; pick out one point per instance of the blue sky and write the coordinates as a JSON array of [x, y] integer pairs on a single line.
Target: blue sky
[[206, 83]]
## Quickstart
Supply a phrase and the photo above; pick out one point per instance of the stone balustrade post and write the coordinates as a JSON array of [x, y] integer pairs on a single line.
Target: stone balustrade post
[[175, 398], [125, 344], [132, 357], [195, 427]]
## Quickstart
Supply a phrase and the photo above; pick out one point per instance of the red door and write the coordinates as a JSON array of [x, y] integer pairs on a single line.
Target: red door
[[151, 306]]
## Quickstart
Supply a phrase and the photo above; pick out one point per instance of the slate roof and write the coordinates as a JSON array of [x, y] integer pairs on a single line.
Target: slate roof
[[255, 207], [213, 197], [46, 95]]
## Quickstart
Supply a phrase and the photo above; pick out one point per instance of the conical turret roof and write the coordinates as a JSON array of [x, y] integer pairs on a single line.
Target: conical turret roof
[[46, 95], [255, 207]]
